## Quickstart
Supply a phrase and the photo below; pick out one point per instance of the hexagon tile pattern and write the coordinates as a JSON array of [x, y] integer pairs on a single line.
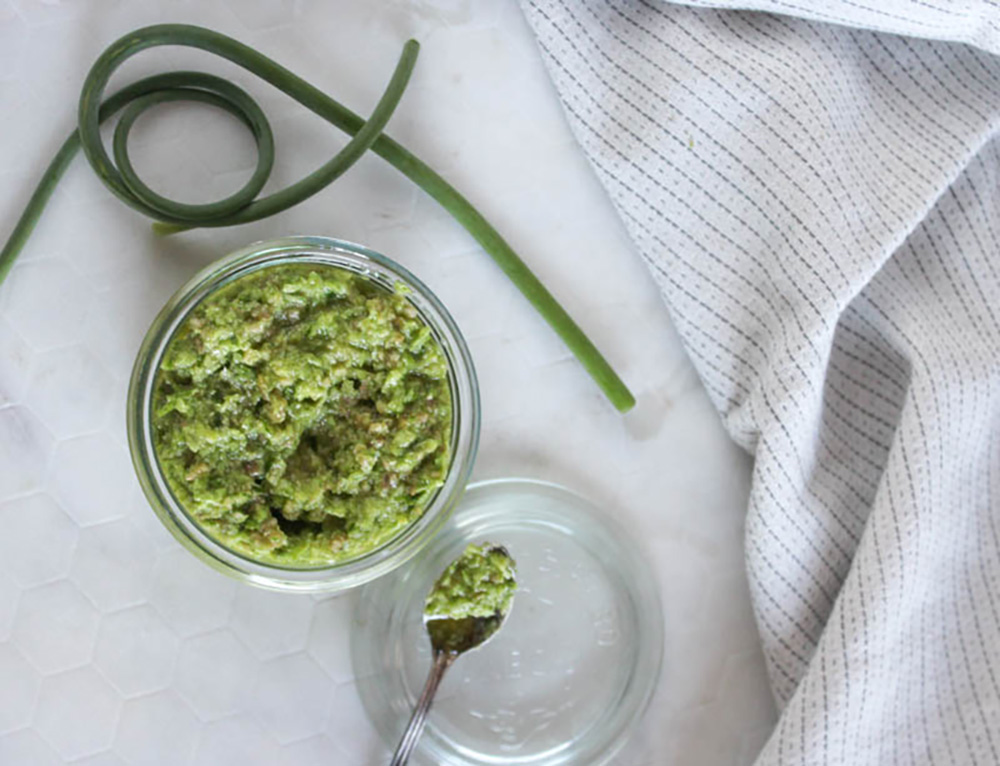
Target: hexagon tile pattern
[[116, 645]]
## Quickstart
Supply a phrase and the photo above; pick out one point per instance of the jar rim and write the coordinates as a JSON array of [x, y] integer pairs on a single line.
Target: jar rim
[[466, 416]]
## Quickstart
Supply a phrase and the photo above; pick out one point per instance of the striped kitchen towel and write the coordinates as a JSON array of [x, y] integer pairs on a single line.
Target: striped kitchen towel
[[816, 189]]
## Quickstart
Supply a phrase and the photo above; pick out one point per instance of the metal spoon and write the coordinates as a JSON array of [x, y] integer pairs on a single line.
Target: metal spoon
[[450, 638]]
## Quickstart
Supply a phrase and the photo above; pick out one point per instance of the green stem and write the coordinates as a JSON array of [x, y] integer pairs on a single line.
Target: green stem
[[244, 205]]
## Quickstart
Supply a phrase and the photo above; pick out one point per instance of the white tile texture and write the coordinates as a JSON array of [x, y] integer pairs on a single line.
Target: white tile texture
[[117, 647]]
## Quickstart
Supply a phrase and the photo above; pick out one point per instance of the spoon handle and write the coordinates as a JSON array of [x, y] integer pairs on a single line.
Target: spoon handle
[[442, 661]]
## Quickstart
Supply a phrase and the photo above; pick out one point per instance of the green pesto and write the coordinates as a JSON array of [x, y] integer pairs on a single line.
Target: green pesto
[[479, 583], [302, 414]]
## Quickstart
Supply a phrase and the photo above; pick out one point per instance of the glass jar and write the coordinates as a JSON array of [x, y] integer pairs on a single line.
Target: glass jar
[[464, 432], [567, 678]]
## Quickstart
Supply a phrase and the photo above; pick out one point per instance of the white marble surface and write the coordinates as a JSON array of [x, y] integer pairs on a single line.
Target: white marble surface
[[117, 646]]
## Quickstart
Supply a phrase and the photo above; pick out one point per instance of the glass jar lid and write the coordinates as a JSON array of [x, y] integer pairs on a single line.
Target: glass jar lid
[[568, 677]]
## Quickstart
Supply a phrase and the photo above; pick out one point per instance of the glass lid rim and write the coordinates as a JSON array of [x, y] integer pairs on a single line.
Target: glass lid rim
[[628, 701]]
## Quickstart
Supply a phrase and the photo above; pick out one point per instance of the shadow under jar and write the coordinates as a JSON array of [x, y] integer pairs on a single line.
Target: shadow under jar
[[383, 275]]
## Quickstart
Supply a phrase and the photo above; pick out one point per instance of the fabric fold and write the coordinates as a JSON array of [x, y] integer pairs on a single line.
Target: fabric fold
[[818, 204]]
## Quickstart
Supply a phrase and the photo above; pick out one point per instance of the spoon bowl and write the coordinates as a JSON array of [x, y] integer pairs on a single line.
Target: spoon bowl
[[450, 638], [457, 636]]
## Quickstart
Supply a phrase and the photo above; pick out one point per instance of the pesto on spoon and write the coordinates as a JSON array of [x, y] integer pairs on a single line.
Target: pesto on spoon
[[466, 607]]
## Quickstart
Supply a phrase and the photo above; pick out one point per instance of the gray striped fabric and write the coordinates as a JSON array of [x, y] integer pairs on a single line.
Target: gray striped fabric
[[820, 206]]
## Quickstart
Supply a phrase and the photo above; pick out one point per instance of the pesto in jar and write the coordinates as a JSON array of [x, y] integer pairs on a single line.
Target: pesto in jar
[[479, 583], [302, 414]]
